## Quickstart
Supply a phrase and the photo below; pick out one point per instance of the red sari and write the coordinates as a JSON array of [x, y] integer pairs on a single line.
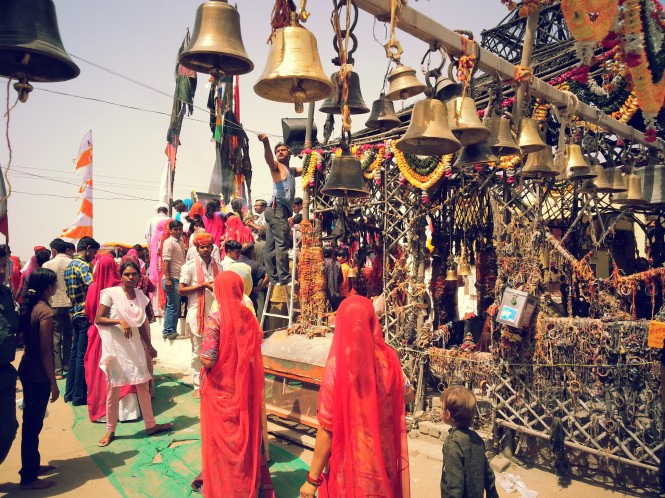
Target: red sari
[[236, 230], [232, 393], [361, 402], [105, 276]]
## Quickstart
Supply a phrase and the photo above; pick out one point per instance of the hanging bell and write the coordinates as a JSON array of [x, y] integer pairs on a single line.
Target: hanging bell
[[615, 178], [403, 83], [587, 187], [355, 102], [540, 164], [575, 157], [529, 136], [464, 121], [476, 154], [30, 45], [501, 137], [216, 45], [383, 115], [293, 72], [345, 178], [600, 182], [446, 87], [578, 173], [428, 133], [634, 196], [464, 269], [451, 275]]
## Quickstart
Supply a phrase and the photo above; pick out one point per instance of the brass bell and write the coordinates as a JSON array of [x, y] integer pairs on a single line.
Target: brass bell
[[600, 182], [216, 45], [529, 136], [583, 173], [476, 154], [345, 178], [383, 115], [615, 178], [634, 196], [464, 269], [446, 87], [451, 275], [293, 72], [501, 137], [355, 102], [30, 45], [428, 133], [587, 187], [540, 164], [464, 121], [575, 157], [403, 83]]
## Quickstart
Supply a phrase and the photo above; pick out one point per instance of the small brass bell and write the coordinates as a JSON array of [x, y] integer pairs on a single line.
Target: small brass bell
[[451, 275], [587, 187], [216, 44], [575, 157], [30, 45], [355, 102], [615, 178], [600, 182], [529, 136], [446, 87], [464, 121], [293, 72], [634, 196], [584, 173], [464, 269], [476, 154], [501, 137], [383, 115], [403, 83], [428, 133], [345, 178], [539, 164]]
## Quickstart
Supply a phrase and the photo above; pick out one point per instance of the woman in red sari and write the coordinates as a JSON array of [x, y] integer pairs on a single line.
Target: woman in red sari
[[232, 391], [362, 434], [106, 275]]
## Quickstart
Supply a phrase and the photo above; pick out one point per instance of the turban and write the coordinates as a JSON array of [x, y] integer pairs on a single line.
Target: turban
[[203, 239], [196, 210]]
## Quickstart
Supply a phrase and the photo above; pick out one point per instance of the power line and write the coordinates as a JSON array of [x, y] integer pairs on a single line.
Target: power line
[[75, 197]]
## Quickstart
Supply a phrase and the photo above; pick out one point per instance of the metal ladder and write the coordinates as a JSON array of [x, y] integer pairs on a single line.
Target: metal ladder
[[290, 310]]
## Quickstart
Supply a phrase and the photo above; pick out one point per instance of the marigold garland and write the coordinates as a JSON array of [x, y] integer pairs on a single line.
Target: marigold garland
[[590, 20], [425, 180]]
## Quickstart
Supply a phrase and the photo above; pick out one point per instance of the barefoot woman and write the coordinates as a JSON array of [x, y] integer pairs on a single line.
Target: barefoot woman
[[122, 324]]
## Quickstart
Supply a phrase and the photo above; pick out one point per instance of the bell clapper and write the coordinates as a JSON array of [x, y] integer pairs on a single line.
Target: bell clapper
[[23, 88], [298, 95]]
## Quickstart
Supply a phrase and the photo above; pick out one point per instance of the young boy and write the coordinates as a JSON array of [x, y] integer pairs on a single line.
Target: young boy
[[466, 472]]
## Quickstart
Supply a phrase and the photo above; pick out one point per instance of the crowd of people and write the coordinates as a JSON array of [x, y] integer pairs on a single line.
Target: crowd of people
[[85, 314]]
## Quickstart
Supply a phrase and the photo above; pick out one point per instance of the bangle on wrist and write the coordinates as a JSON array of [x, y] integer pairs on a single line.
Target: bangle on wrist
[[314, 482]]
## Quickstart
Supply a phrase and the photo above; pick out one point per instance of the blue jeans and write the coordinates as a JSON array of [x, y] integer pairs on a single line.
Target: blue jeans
[[35, 401], [172, 308], [75, 389]]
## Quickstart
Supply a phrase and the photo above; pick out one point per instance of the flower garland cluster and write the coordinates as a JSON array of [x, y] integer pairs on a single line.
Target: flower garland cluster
[[527, 7], [371, 157], [311, 162], [421, 173]]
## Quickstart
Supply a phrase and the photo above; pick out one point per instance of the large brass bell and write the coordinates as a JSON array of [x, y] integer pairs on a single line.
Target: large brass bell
[[383, 115], [540, 164], [600, 182], [464, 121], [428, 133], [501, 137], [451, 275], [476, 154], [345, 178], [293, 72], [403, 83], [355, 102], [575, 157], [529, 139], [634, 196], [30, 45], [216, 45]]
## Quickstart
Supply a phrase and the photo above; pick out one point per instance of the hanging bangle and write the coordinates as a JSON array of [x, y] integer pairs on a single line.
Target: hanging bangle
[[314, 482]]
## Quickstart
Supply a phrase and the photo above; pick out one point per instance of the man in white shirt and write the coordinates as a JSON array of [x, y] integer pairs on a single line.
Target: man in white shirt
[[197, 227], [151, 227], [62, 332], [196, 282], [232, 249]]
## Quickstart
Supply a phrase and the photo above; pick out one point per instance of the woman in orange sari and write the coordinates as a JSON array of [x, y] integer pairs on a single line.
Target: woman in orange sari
[[232, 392], [362, 434]]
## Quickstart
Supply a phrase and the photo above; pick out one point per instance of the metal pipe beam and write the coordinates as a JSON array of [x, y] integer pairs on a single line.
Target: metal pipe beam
[[431, 32]]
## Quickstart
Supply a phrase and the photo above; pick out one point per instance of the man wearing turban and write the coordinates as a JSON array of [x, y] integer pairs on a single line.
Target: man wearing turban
[[196, 282]]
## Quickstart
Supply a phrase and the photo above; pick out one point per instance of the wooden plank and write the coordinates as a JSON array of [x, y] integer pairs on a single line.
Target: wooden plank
[[431, 32]]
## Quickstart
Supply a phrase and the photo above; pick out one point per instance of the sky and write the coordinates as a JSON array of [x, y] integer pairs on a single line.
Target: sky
[[126, 51]]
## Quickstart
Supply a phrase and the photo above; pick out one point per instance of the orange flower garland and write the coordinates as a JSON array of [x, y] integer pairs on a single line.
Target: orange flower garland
[[590, 20], [420, 181]]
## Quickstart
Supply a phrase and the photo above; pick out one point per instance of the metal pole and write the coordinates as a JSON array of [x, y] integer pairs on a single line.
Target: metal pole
[[431, 32], [527, 50]]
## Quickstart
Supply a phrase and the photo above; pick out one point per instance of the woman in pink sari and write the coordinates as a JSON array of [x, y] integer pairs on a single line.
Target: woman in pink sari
[[214, 222], [105, 275], [362, 434], [232, 391]]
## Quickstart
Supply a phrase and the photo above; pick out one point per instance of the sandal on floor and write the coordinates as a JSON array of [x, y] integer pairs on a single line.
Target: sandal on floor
[[45, 469], [109, 440], [38, 484], [159, 428]]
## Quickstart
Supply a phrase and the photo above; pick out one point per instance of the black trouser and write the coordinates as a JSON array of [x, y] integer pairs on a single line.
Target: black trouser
[[8, 422], [62, 339], [35, 401], [75, 389], [278, 243]]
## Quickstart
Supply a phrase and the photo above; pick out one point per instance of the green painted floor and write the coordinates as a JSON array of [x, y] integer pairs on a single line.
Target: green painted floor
[[165, 465]]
